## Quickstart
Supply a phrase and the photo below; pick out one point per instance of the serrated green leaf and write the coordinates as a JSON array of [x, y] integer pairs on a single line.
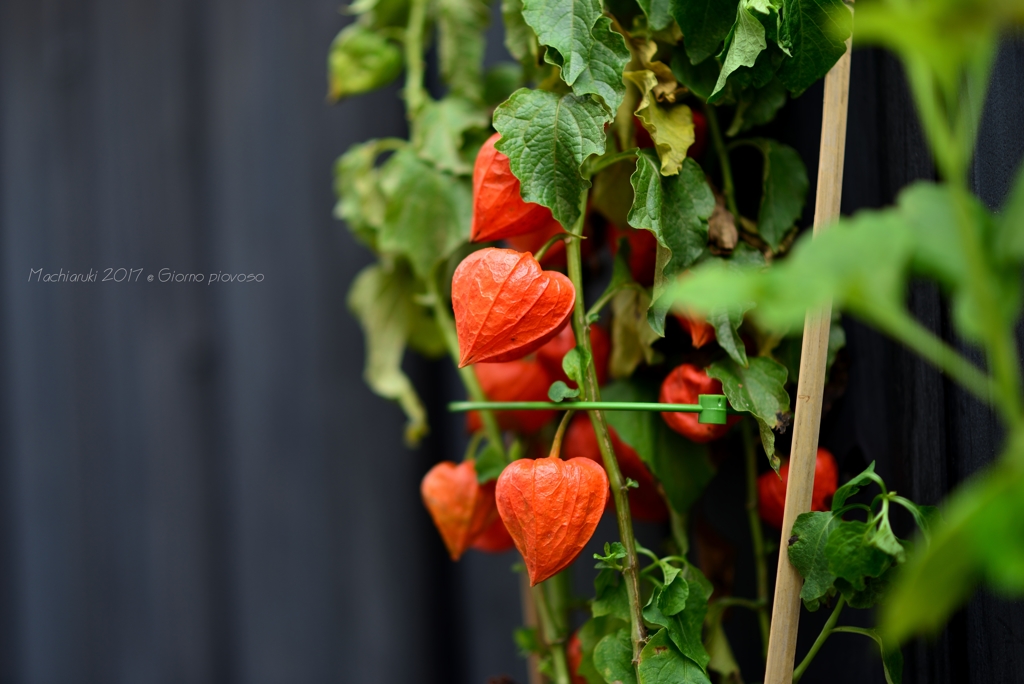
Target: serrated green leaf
[[613, 658], [676, 210], [662, 663], [440, 131], [590, 634], [807, 554], [760, 389], [670, 126], [383, 301], [632, 335], [361, 60], [885, 541], [783, 190], [683, 467], [610, 596], [657, 13], [814, 32], [757, 106], [726, 323], [602, 72], [744, 43], [427, 212], [547, 138], [874, 592], [461, 25], [567, 26], [489, 463], [361, 202], [850, 554], [673, 596], [705, 24], [699, 78], [856, 483], [686, 627]]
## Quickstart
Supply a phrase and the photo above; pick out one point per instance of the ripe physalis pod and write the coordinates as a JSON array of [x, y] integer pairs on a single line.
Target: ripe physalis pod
[[683, 386], [551, 508], [498, 208], [506, 305], [771, 489], [461, 508]]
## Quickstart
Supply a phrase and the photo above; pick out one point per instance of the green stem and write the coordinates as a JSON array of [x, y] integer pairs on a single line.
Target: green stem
[[723, 160], [749, 604], [631, 569], [472, 384], [556, 443], [602, 163], [608, 295], [904, 328], [678, 524], [415, 95], [558, 237], [825, 632], [459, 406], [549, 631], [756, 537]]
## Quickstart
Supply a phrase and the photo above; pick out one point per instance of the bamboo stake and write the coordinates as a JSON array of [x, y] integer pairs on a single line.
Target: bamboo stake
[[786, 607]]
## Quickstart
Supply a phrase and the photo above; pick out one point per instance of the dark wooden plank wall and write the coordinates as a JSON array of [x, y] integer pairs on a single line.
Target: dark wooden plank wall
[[195, 484]]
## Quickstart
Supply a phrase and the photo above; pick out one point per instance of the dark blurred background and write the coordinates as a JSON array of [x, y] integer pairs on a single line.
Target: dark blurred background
[[196, 485]]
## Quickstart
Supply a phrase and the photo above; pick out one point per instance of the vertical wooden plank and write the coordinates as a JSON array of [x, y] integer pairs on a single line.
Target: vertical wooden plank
[[807, 418]]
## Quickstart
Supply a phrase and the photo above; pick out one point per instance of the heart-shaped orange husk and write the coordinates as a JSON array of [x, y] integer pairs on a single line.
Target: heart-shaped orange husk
[[461, 508], [551, 508], [506, 305], [498, 208]]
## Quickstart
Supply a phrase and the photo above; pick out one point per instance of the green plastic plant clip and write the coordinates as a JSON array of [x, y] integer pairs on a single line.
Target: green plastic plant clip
[[713, 409]]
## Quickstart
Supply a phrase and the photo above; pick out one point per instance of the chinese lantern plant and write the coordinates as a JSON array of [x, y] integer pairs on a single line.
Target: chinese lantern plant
[[617, 133]]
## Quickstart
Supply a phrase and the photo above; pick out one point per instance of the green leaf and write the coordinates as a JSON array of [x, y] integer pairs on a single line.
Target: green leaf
[[685, 627], [875, 589], [850, 554], [602, 71], [383, 301], [613, 658], [673, 596], [858, 482], [500, 81], [440, 131], [924, 516], [885, 540], [547, 138], [590, 634], [670, 126], [757, 106], [632, 335], [657, 12], [662, 663], [361, 203], [559, 391], [699, 78], [892, 657], [461, 25], [361, 60], [722, 659], [489, 463], [726, 323], [520, 40], [807, 554], [784, 189], [705, 23], [744, 43], [528, 641], [760, 389], [575, 363], [814, 32], [427, 214], [611, 598], [565, 25], [1009, 242], [683, 467], [676, 209]]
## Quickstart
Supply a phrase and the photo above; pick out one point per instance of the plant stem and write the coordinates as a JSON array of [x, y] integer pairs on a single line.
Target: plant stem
[[653, 407], [415, 95], [723, 160], [756, 536], [904, 328], [549, 629], [556, 443], [631, 571], [678, 524], [602, 163], [472, 384], [739, 602], [825, 632]]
